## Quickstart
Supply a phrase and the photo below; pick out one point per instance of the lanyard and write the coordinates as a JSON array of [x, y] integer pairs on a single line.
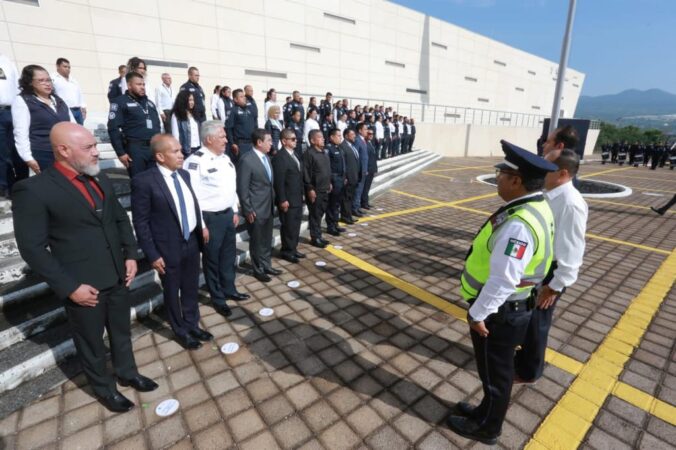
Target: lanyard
[[145, 110]]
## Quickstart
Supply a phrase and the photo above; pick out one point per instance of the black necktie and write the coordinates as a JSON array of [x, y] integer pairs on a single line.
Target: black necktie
[[98, 201]]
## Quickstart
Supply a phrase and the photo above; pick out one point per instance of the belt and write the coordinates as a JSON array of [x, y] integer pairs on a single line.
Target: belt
[[518, 305], [145, 142], [215, 213], [75, 108]]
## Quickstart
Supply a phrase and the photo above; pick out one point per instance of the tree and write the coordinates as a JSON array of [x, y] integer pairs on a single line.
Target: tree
[[610, 134]]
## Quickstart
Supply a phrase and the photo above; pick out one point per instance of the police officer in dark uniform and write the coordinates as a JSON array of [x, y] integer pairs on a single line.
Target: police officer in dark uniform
[[296, 105], [251, 103], [622, 153], [115, 85], [193, 86], [240, 126], [286, 111], [132, 121], [387, 141], [326, 125], [325, 109], [614, 151], [317, 180], [672, 157], [658, 151], [648, 154], [297, 126], [352, 120], [605, 153], [338, 180]]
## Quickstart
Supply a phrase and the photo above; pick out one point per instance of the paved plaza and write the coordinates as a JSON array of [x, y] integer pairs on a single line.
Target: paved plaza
[[371, 350]]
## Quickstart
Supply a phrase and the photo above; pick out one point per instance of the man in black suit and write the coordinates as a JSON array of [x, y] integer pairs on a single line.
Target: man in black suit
[[288, 185], [255, 189], [352, 173], [71, 230], [360, 145], [169, 229], [317, 178], [371, 172]]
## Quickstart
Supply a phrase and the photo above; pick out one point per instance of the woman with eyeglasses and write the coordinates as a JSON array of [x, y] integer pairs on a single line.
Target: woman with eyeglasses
[[34, 112]]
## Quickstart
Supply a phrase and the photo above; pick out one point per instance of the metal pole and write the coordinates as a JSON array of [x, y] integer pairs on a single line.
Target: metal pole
[[565, 50]]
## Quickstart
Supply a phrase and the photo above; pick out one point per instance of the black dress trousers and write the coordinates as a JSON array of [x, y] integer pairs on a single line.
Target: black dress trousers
[[219, 257]]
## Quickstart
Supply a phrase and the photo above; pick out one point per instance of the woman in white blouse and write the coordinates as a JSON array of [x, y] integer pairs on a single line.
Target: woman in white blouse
[[184, 126]]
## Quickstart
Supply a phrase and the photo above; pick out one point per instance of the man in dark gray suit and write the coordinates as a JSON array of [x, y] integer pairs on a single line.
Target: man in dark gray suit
[[352, 173], [360, 144], [255, 189]]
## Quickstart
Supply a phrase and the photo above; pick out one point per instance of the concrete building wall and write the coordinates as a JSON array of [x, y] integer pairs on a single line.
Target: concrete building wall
[[362, 49]]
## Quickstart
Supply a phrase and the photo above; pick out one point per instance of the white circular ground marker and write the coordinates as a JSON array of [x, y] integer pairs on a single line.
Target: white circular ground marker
[[352, 234], [379, 209], [654, 194], [338, 247], [364, 224], [229, 348], [293, 284], [266, 312], [320, 264], [167, 407]]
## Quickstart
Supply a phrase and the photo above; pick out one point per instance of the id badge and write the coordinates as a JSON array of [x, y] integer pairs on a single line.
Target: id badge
[[149, 124]]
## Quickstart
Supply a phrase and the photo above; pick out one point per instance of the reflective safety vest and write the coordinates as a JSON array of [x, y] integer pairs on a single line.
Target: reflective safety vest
[[537, 215]]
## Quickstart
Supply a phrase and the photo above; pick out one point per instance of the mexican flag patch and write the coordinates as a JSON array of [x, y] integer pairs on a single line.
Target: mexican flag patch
[[516, 248]]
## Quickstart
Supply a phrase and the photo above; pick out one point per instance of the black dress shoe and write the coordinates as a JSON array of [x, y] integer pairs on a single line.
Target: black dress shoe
[[202, 335], [317, 243], [238, 296], [273, 271], [323, 241], [366, 207], [333, 232], [116, 402], [463, 409], [262, 277], [349, 221], [291, 258], [658, 211], [469, 429], [140, 383], [223, 310], [341, 229], [357, 213], [188, 342], [298, 254]]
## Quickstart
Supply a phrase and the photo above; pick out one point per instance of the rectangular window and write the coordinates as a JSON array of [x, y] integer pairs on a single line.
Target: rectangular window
[[309, 48], [457, 116], [436, 44], [482, 100], [499, 63], [472, 79], [576, 85], [395, 64], [505, 119], [264, 73], [535, 107], [26, 2], [531, 72], [340, 18], [157, 62], [416, 91], [520, 89]]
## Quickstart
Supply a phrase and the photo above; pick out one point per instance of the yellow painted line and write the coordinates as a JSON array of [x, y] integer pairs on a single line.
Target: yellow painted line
[[472, 199], [459, 168], [436, 175], [643, 178], [624, 205], [570, 419], [644, 189], [588, 235], [411, 289], [588, 393], [403, 212], [406, 194], [604, 172], [630, 244]]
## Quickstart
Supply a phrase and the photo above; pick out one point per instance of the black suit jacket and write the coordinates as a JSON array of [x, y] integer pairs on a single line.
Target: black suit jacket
[[64, 240], [373, 158], [288, 179], [352, 165], [254, 188], [156, 219]]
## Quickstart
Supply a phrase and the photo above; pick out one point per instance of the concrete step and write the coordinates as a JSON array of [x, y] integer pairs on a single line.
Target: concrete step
[[29, 344]]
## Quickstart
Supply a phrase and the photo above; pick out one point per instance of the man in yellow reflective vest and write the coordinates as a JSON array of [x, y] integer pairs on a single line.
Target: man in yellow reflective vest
[[510, 255]]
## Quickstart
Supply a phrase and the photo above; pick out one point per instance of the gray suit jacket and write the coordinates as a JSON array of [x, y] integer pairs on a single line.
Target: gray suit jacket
[[254, 188]]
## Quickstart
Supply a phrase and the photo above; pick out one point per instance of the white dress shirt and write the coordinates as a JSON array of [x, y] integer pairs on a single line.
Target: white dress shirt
[[570, 220], [164, 98], [214, 180], [21, 119], [214, 104], [265, 160], [341, 126], [392, 129], [380, 131], [310, 124], [69, 91], [9, 81], [505, 271], [187, 197]]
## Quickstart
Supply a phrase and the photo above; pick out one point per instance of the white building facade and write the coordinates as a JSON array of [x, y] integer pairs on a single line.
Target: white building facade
[[370, 51]]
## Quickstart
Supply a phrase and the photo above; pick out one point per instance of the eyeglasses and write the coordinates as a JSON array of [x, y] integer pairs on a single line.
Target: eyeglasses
[[43, 80], [291, 139]]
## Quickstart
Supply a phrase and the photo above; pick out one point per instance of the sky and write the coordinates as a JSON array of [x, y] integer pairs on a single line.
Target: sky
[[618, 44]]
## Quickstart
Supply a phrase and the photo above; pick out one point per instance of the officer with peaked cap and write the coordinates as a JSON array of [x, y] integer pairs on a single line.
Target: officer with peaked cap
[[510, 255]]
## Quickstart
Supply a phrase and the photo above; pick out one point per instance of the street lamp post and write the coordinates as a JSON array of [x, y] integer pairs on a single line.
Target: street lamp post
[[563, 63]]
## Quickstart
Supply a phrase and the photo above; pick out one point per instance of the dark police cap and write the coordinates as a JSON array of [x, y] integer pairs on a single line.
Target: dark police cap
[[527, 163]]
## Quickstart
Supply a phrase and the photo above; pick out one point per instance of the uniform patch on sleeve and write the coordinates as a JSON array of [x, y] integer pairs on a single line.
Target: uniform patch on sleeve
[[113, 107], [516, 248], [111, 116], [193, 166]]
